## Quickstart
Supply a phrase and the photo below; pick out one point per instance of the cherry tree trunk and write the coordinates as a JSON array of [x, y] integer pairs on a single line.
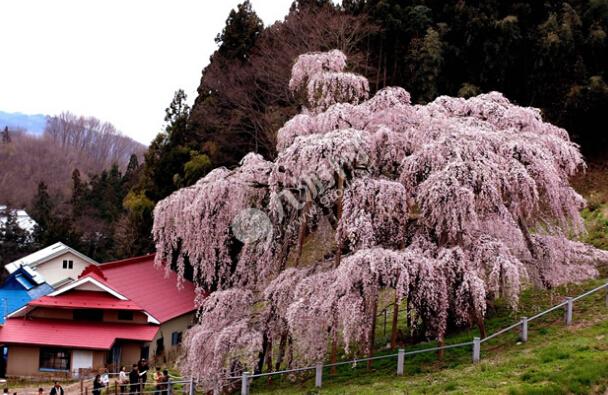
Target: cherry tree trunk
[[524, 231], [408, 318], [372, 335], [339, 216], [303, 226], [479, 321], [395, 323], [441, 352], [281, 354], [262, 355], [269, 359], [481, 326], [334, 352], [289, 352]]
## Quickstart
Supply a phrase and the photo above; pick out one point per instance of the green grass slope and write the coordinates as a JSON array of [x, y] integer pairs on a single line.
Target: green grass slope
[[556, 359]]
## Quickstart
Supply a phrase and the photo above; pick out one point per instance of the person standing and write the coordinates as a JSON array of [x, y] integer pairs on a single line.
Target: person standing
[[97, 385], [158, 380], [165, 390], [143, 372], [123, 379], [134, 380], [105, 377], [57, 389]]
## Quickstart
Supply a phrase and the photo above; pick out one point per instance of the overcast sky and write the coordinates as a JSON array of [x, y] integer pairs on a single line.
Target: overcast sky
[[118, 60]]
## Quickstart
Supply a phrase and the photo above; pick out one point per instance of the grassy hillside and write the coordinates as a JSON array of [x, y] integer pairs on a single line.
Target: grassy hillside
[[556, 359], [594, 186]]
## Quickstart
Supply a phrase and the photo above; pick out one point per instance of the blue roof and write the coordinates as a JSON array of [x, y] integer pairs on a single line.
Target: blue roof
[[12, 300], [18, 289]]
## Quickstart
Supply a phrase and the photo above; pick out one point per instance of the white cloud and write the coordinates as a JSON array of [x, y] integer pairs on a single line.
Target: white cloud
[[120, 61]]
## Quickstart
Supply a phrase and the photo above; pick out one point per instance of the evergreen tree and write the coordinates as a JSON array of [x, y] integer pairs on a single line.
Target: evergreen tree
[[173, 153], [176, 118], [78, 194], [51, 226], [242, 29], [42, 208], [15, 242], [428, 56], [132, 172]]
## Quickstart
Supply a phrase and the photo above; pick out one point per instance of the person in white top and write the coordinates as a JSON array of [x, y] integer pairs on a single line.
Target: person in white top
[[105, 377], [123, 379]]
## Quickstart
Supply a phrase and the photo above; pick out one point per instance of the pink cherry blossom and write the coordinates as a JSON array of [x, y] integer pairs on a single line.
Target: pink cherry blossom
[[449, 204]]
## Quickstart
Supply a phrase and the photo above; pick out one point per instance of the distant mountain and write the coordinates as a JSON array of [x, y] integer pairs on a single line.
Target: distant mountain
[[31, 123]]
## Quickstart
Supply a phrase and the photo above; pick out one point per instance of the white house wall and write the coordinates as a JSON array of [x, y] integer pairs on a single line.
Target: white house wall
[[178, 324], [53, 271]]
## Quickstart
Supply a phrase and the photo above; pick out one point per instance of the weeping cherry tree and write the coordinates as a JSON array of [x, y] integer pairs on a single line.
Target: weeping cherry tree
[[447, 206]]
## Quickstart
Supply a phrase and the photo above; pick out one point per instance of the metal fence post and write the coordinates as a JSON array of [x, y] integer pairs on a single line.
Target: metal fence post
[[523, 331], [400, 361], [245, 384], [476, 349], [568, 316], [191, 386], [318, 375]]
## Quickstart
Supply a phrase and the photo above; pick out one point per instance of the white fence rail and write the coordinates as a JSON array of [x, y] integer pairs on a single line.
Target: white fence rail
[[172, 387], [476, 343]]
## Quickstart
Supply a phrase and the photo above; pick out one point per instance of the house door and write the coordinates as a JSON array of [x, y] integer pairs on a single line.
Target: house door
[[116, 354], [82, 359], [3, 361]]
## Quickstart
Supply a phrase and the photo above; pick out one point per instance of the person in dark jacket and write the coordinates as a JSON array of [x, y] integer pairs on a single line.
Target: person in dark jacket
[[97, 385], [134, 380], [143, 371], [57, 389]]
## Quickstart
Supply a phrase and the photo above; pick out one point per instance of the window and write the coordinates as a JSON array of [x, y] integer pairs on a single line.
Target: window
[[88, 315], [68, 264], [54, 359], [125, 315], [176, 338]]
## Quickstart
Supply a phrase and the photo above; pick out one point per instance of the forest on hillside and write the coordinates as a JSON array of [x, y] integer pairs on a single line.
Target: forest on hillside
[[72, 179], [551, 55]]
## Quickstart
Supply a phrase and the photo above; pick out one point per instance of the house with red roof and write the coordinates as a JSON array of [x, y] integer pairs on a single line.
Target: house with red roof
[[113, 315]]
